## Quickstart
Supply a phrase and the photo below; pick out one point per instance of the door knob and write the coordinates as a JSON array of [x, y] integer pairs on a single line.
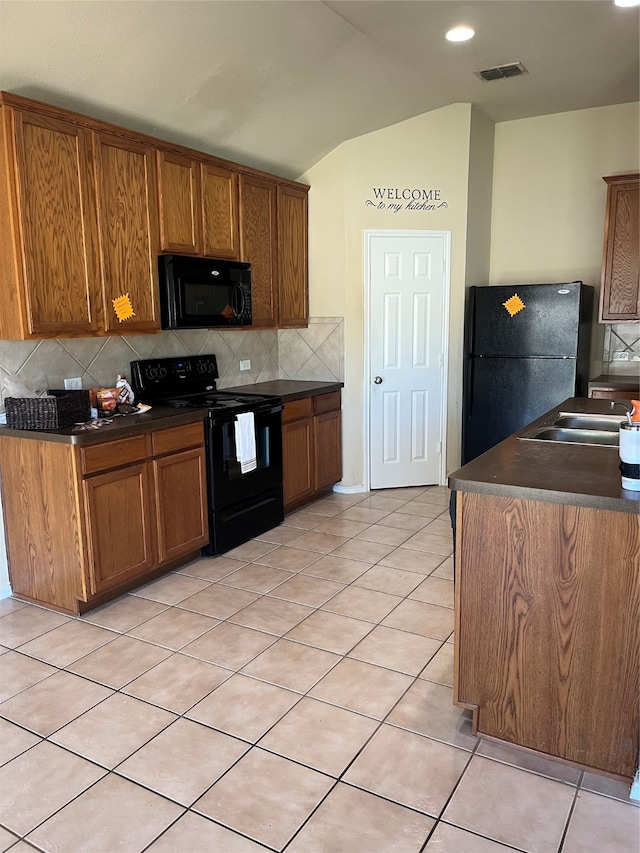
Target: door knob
[[378, 380]]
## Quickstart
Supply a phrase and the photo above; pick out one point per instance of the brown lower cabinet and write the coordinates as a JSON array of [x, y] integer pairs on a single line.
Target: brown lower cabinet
[[311, 447], [85, 523], [547, 651]]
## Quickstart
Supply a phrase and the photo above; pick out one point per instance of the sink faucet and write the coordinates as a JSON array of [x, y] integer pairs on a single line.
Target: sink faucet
[[621, 404]]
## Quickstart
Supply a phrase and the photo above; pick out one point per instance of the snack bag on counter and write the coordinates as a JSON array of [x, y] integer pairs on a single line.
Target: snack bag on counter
[[106, 401], [125, 392]]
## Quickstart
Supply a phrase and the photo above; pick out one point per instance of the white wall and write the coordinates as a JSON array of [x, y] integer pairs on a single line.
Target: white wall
[[430, 151], [548, 192], [480, 191], [549, 197]]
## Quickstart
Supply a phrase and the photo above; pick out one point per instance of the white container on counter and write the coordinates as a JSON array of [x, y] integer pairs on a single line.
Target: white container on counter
[[630, 455]]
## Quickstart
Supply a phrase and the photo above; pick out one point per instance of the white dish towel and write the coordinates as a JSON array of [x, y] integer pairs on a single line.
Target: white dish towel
[[245, 430]]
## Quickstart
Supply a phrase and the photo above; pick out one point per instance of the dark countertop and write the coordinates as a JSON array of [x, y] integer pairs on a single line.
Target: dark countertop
[[163, 417], [577, 475], [287, 389], [616, 380], [123, 426]]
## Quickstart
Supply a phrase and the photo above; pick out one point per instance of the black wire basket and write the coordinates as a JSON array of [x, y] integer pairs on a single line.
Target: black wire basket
[[60, 409]]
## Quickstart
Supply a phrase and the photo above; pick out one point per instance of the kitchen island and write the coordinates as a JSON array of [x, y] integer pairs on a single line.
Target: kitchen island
[[547, 651]]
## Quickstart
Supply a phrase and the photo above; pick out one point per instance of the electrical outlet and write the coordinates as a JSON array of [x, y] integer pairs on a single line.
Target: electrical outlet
[[621, 355], [73, 384], [245, 364]]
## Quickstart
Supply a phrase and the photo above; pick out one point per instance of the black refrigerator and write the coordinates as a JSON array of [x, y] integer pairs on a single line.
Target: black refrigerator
[[526, 350]]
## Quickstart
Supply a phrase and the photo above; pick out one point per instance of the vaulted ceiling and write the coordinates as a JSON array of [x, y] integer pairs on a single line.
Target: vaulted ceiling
[[279, 83]]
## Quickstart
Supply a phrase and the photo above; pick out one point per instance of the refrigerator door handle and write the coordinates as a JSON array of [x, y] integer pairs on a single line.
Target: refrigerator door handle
[[467, 403]]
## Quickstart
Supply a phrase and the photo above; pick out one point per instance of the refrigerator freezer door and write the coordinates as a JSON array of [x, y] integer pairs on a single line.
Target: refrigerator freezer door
[[547, 325], [506, 394]]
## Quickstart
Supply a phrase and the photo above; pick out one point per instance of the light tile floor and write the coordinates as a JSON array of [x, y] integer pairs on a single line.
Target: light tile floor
[[294, 694]]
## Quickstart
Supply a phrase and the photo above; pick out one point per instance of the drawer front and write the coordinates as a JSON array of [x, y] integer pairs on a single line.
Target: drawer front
[[176, 439], [326, 402], [297, 409], [113, 454]]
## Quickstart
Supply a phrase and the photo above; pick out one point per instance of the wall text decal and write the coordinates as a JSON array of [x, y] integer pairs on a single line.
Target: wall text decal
[[405, 198]]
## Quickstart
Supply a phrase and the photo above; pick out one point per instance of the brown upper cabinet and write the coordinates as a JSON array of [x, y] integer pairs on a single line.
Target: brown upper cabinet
[[258, 240], [79, 223], [273, 239], [198, 203], [127, 229], [86, 206], [48, 231], [293, 264], [620, 288]]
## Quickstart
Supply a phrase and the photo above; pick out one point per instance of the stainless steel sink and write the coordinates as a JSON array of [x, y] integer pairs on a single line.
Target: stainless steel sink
[[564, 435], [579, 420], [600, 430]]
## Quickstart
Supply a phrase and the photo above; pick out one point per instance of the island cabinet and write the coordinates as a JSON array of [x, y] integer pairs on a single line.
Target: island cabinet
[[311, 447], [547, 633], [85, 523], [198, 205], [620, 285], [78, 222]]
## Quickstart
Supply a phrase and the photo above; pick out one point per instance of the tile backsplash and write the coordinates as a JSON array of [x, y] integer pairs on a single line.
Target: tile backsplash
[[314, 353], [621, 338]]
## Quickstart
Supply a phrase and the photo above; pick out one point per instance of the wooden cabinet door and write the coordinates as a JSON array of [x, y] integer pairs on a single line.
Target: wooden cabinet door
[[258, 225], [219, 211], [620, 291], [181, 500], [297, 461], [120, 526], [127, 229], [328, 449], [179, 204], [55, 224], [292, 258], [547, 627]]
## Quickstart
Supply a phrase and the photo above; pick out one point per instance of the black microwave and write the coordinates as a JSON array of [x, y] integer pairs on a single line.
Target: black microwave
[[204, 293]]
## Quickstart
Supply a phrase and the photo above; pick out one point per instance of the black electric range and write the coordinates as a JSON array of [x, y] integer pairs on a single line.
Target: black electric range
[[245, 494], [189, 382]]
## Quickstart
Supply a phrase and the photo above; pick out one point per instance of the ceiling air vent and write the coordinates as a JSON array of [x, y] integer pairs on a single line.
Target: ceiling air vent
[[498, 72]]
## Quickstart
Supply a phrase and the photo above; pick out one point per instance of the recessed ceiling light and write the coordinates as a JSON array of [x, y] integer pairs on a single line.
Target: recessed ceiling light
[[462, 33], [627, 2]]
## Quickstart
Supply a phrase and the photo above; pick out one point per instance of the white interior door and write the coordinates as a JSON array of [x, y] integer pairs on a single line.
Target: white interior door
[[408, 278]]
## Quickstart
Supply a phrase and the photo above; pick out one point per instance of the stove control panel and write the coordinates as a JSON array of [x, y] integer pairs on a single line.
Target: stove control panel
[[164, 377]]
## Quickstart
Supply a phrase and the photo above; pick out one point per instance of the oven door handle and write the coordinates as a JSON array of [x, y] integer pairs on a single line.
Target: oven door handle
[[229, 417], [272, 410]]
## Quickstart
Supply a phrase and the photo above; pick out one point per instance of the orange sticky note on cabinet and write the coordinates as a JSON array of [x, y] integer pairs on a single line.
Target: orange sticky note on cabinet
[[123, 307], [514, 304]]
